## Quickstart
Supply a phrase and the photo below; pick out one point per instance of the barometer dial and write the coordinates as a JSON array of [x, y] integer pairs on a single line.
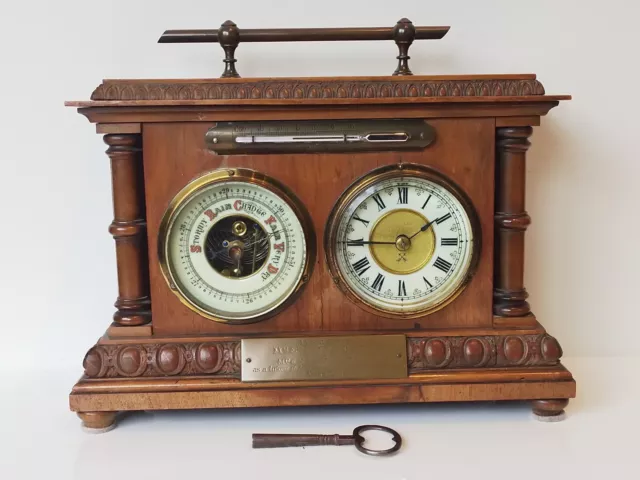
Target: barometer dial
[[236, 245], [402, 241]]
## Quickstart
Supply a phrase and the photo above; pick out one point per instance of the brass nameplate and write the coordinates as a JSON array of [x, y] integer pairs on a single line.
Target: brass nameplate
[[324, 358]]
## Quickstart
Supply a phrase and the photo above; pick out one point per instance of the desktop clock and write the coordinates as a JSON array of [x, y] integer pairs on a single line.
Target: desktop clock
[[319, 241]]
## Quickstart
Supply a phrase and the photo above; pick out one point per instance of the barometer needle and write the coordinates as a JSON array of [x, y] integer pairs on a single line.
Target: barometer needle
[[255, 249], [249, 244]]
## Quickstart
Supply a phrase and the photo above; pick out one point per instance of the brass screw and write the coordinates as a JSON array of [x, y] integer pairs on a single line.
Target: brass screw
[[239, 228]]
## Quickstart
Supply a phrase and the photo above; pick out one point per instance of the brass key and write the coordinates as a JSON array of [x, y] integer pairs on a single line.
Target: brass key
[[276, 440]]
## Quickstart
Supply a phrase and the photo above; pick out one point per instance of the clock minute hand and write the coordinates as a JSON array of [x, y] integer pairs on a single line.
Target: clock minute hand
[[423, 228], [362, 242]]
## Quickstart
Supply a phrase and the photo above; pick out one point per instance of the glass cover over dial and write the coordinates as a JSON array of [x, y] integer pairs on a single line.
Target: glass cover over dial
[[401, 241], [233, 246]]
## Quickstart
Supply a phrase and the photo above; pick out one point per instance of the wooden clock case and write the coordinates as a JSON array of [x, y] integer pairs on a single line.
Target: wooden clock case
[[485, 345]]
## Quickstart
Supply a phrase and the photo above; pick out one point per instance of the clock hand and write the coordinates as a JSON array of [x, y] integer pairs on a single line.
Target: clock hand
[[423, 229], [358, 242]]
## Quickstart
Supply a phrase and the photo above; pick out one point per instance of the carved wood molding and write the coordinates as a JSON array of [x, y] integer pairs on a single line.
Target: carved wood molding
[[300, 89], [168, 359], [222, 359], [482, 351]]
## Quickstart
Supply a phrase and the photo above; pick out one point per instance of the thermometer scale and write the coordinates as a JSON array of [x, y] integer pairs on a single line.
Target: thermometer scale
[[324, 136]]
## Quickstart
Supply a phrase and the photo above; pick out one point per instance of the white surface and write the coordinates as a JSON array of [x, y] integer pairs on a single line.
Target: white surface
[[42, 439], [58, 280], [583, 165]]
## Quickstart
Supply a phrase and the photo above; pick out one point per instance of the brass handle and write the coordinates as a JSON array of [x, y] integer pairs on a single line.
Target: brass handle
[[230, 36]]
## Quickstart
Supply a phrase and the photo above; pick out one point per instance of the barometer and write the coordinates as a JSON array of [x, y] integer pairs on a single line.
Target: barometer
[[235, 245]]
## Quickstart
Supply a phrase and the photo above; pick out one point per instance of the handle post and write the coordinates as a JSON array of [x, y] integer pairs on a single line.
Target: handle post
[[403, 33], [229, 38]]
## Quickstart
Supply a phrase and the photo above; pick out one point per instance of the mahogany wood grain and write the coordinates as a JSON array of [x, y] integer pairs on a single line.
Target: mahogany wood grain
[[522, 328], [128, 229], [214, 113], [525, 321], [511, 222], [118, 128], [118, 331], [269, 395], [463, 150], [522, 102], [531, 121], [203, 383]]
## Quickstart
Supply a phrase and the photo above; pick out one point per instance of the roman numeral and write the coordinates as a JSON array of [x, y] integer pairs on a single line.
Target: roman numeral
[[443, 218], [449, 241], [426, 201], [355, 243], [427, 282], [377, 283], [364, 222], [442, 264], [381, 205], [361, 266], [402, 289], [403, 195]]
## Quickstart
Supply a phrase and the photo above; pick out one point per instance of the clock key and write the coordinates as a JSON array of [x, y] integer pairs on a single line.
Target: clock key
[[277, 440]]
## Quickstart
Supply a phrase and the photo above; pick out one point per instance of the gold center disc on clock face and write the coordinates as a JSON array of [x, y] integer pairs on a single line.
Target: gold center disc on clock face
[[405, 255]]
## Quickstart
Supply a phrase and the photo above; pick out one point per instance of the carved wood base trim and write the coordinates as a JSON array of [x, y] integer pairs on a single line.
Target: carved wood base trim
[[483, 351], [222, 359]]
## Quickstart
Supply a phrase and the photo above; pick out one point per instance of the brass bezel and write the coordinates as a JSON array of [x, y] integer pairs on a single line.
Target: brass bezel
[[233, 175], [379, 175]]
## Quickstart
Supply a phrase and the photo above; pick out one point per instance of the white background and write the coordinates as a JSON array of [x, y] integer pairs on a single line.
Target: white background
[[58, 280]]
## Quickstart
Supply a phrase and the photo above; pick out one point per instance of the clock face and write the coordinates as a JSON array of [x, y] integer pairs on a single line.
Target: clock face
[[235, 245], [402, 241]]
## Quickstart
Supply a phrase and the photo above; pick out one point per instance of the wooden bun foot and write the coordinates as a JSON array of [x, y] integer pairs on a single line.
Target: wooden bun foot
[[98, 422], [550, 410]]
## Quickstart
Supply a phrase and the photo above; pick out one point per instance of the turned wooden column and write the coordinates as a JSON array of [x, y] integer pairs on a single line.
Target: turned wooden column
[[129, 229], [511, 222]]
